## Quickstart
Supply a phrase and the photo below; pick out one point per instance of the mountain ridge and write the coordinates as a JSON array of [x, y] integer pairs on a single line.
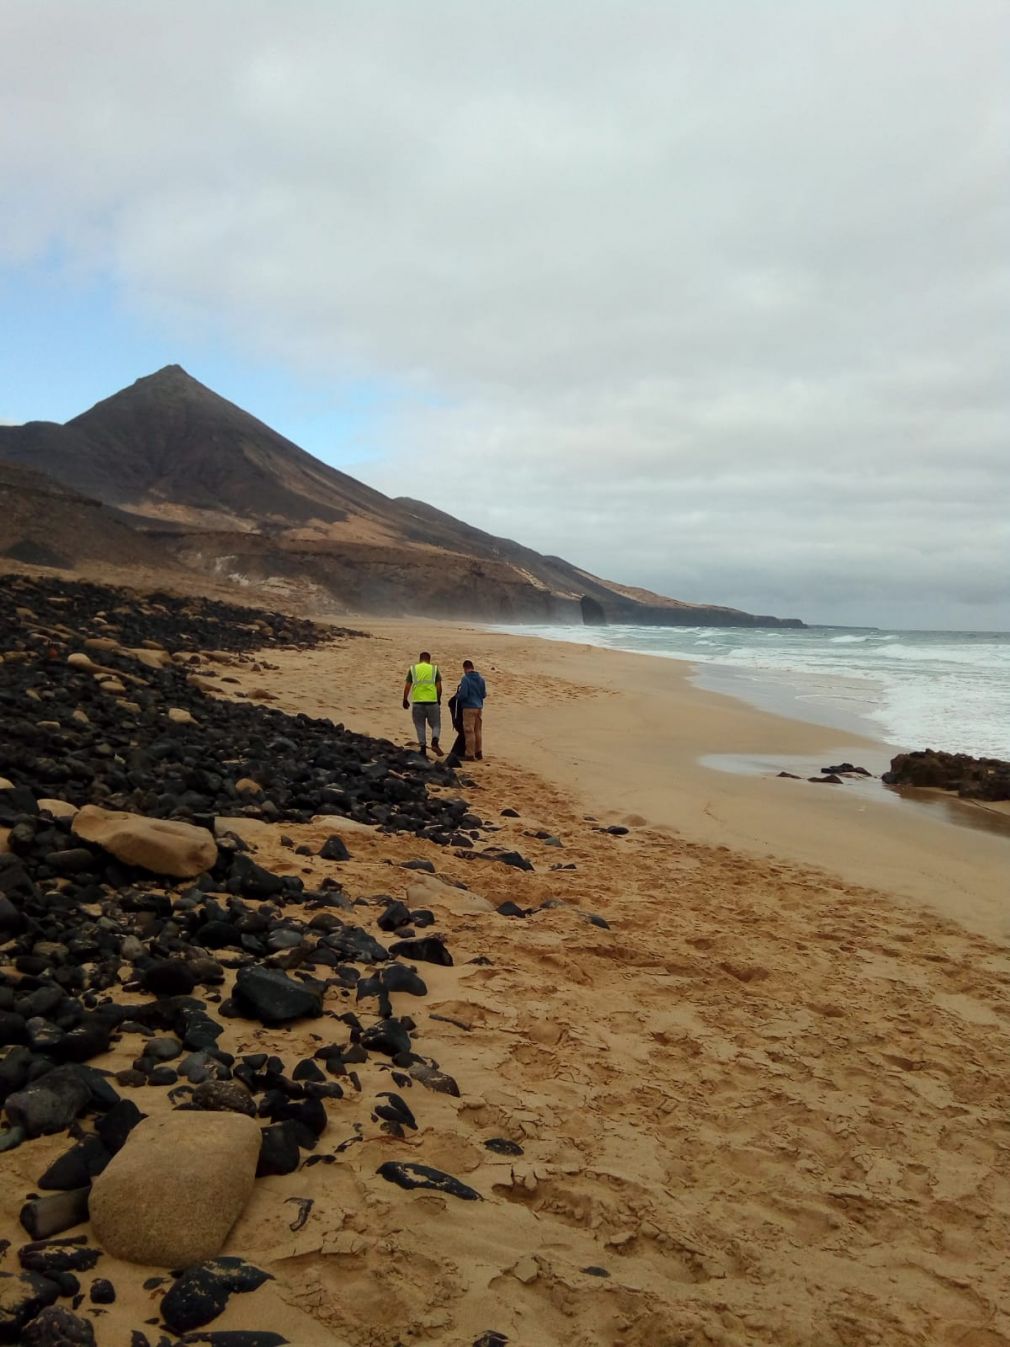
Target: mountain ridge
[[227, 494]]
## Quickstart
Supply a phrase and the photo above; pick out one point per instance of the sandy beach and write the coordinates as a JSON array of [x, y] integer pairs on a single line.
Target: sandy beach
[[750, 1056], [625, 734], [766, 1106]]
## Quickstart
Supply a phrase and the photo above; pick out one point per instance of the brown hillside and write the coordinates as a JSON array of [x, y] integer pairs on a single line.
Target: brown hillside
[[210, 484]]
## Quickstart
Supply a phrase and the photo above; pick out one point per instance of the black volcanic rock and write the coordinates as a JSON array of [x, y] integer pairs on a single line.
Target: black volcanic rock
[[971, 778], [268, 995]]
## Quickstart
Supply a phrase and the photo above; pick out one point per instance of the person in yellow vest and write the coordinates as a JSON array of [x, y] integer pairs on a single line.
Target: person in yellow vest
[[422, 696]]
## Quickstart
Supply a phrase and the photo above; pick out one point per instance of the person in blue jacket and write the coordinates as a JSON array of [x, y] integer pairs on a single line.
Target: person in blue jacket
[[470, 697]]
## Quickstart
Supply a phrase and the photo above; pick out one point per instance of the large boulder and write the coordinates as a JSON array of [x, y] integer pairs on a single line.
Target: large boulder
[[162, 846], [177, 1187], [972, 778]]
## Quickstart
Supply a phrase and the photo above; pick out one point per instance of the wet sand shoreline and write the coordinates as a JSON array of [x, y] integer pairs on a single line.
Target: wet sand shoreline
[[628, 734]]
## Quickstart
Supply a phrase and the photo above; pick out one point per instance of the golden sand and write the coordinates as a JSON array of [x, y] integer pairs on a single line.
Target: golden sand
[[769, 1105]]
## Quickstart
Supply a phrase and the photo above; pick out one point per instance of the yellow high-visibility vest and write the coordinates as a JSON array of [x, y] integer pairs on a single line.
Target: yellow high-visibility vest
[[422, 682]]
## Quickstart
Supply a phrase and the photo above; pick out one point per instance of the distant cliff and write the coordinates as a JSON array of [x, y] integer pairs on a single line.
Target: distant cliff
[[200, 481]]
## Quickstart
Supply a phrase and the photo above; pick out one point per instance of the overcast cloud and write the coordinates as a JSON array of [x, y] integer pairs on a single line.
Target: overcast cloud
[[708, 296]]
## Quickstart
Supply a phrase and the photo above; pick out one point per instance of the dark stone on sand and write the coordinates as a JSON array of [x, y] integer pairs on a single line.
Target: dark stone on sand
[[398, 978], [395, 1110], [409, 1175], [14, 1070], [513, 858], [252, 880], [595, 920], [44, 1217], [491, 1338], [307, 1070], [168, 977], [334, 849], [117, 1124], [14, 1028], [594, 1271], [72, 861], [162, 1049], [511, 909], [279, 1153], [397, 914], [224, 1096], [502, 1146], [56, 1327], [615, 830], [351, 942], [387, 1036], [76, 1167], [201, 1292], [847, 769], [270, 996], [22, 1296], [791, 776], [102, 1292], [510, 813], [428, 949], [433, 1079], [50, 1103], [427, 866], [831, 780], [49, 1257]]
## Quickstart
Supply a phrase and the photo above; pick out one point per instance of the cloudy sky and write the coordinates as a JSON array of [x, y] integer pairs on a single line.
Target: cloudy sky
[[708, 296]]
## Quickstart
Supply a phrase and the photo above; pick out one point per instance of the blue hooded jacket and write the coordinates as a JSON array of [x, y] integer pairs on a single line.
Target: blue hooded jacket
[[472, 691]]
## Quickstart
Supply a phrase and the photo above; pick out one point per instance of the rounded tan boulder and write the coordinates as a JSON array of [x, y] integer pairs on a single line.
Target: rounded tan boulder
[[173, 1193], [162, 846]]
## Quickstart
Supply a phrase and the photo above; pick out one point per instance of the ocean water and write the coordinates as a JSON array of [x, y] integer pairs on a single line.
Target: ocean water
[[913, 689]]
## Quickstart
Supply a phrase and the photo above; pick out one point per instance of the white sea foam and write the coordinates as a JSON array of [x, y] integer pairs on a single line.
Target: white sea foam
[[948, 690]]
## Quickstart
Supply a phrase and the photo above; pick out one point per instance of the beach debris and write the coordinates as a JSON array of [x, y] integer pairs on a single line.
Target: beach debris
[[304, 1204]]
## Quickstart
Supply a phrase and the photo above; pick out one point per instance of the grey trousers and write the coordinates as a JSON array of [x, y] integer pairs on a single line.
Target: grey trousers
[[424, 714]]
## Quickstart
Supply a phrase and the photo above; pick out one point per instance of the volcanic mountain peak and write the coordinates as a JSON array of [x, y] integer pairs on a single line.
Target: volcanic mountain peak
[[244, 501]]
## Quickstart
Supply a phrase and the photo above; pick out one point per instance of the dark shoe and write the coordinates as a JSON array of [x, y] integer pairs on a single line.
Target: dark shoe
[[479, 757], [436, 749], [423, 752], [468, 758]]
